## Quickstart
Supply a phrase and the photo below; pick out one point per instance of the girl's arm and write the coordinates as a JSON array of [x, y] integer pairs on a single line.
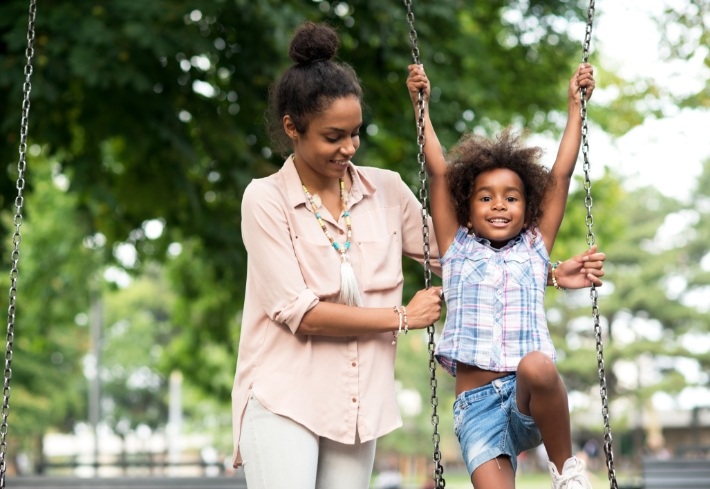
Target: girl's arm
[[555, 198], [442, 210]]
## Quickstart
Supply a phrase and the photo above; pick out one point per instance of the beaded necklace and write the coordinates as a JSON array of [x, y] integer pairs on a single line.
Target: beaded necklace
[[349, 290]]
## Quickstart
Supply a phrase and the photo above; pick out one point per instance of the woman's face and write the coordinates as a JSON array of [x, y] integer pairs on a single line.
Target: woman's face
[[331, 140]]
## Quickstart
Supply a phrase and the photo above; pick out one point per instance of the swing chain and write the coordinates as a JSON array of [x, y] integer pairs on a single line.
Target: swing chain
[[590, 241], [16, 239], [439, 481]]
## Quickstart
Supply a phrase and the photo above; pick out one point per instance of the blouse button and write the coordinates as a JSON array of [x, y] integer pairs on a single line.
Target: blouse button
[[354, 399], [341, 231], [354, 364]]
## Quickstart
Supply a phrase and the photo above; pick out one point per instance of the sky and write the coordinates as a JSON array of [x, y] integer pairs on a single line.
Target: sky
[[679, 142]]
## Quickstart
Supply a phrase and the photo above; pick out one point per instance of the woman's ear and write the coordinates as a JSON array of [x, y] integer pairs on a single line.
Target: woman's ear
[[290, 127]]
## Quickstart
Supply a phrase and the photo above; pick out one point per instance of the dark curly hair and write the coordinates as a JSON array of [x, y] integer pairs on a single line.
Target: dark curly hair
[[474, 154], [309, 85]]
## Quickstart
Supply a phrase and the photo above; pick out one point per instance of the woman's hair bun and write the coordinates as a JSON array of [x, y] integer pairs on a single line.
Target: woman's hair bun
[[314, 42]]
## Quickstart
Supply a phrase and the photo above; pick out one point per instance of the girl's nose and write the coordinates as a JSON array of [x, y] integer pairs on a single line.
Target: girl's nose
[[499, 204]]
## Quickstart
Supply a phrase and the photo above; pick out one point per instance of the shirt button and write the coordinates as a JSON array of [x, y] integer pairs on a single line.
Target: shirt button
[[354, 364], [354, 399], [341, 231]]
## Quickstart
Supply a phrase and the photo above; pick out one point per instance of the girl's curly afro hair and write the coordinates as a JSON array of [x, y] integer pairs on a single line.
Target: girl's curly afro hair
[[473, 155]]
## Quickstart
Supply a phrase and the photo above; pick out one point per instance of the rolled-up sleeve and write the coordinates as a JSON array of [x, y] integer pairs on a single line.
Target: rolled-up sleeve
[[274, 271]]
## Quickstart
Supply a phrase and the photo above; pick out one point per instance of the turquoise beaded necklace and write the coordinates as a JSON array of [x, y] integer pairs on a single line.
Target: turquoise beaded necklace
[[344, 201], [349, 290]]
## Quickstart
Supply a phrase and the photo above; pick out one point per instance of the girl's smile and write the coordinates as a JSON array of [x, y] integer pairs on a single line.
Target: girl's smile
[[498, 206]]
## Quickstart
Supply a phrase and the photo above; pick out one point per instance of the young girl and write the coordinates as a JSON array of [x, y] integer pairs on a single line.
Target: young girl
[[496, 215]]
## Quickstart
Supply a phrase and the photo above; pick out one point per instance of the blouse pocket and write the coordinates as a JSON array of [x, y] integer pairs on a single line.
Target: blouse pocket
[[381, 263], [320, 266], [520, 268], [474, 270]]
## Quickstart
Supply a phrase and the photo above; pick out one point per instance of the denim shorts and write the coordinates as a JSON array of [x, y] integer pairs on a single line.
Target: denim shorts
[[487, 423]]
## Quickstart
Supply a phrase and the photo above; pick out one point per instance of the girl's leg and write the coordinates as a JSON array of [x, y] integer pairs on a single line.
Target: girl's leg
[[345, 466], [542, 395], [494, 474], [278, 453]]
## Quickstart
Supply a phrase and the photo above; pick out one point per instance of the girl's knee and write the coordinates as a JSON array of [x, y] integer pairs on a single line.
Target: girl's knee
[[538, 369]]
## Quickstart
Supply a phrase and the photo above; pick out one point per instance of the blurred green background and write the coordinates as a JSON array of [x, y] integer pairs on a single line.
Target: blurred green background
[[146, 126]]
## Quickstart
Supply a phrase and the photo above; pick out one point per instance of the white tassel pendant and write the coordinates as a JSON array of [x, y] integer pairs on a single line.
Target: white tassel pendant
[[349, 290]]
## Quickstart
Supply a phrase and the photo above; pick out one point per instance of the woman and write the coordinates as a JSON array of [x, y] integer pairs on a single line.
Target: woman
[[314, 386]]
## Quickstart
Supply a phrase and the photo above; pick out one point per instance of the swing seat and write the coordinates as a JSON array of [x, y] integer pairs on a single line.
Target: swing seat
[[676, 473]]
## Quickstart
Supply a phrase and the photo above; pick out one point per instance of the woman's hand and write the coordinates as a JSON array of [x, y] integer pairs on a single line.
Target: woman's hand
[[581, 271], [425, 308]]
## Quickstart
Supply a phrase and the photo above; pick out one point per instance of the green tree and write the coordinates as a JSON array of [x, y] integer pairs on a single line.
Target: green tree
[[55, 270]]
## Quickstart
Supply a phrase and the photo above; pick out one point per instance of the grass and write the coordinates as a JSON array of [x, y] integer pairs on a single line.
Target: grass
[[530, 480]]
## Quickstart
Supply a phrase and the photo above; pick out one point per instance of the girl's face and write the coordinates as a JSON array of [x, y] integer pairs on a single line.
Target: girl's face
[[497, 206], [331, 140]]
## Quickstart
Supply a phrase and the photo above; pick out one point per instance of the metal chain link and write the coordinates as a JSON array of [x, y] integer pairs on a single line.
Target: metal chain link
[[16, 239], [590, 241], [438, 474]]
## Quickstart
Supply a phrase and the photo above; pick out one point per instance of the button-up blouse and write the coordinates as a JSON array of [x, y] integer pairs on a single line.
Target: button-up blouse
[[336, 387]]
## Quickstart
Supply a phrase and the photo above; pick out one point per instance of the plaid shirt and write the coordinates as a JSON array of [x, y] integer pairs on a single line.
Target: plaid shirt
[[495, 302]]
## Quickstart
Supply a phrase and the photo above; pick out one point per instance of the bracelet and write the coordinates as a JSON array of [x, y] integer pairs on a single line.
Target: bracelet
[[554, 276], [395, 334], [404, 316]]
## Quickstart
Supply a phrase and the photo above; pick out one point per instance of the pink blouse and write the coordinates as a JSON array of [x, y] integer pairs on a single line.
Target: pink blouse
[[336, 387]]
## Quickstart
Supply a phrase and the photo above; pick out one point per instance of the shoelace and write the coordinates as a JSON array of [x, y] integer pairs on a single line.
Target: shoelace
[[573, 476]]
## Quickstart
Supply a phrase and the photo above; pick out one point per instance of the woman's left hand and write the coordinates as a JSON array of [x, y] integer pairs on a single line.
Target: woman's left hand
[[582, 270]]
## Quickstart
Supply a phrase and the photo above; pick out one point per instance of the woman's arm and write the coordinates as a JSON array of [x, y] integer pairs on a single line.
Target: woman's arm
[[330, 319], [580, 271]]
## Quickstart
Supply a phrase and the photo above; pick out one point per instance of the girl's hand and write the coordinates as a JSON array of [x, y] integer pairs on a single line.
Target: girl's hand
[[583, 77], [417, 81], [582, 270]]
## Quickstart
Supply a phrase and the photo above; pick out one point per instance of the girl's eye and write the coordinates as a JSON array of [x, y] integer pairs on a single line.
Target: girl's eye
[[485, 199], [512, 199]]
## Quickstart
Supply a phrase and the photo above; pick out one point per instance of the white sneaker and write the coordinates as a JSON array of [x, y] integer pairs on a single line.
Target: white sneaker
[[573, 475]]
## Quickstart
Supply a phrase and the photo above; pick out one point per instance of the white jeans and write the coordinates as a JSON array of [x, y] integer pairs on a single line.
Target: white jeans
[[279, 453]]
